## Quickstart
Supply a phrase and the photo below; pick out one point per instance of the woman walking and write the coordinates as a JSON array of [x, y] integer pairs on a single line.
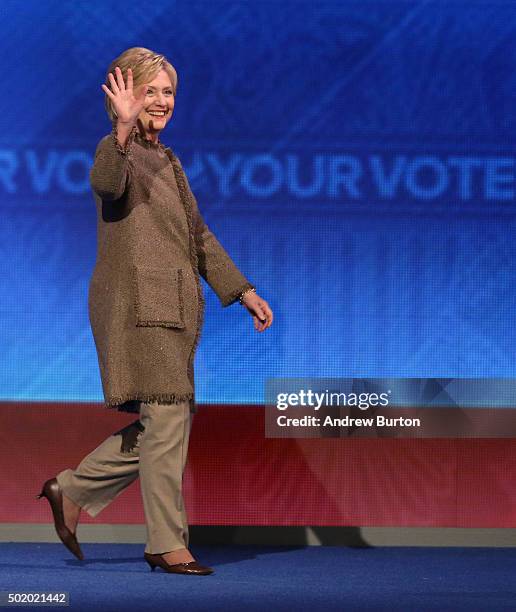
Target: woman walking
[[146, 312]]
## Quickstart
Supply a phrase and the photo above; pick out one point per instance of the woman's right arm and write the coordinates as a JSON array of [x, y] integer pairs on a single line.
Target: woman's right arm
[[110, 174], [111, 170]]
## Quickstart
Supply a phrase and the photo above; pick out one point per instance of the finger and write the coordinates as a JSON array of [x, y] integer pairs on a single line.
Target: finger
[[108, 91], [120, 79], [265, 322], [114, 86], [129, 79], [270, 317], [259, 325], [268, 311], [259, 312]]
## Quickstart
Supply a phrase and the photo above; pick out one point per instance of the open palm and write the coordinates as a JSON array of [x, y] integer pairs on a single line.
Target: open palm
[[126, 104]]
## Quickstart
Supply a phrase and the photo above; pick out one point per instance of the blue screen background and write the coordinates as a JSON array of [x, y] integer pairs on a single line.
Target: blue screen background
[[356, 159]]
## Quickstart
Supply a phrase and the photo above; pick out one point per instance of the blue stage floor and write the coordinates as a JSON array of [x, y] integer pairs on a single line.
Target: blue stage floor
[[115, 577]]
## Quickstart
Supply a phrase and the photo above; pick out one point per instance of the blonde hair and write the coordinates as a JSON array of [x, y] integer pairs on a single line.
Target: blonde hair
[[145, 65]]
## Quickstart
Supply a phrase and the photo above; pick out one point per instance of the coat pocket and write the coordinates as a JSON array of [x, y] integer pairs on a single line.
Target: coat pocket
[[159, 297]]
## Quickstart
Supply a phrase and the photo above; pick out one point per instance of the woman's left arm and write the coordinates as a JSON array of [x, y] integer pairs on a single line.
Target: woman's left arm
[[220, 272], [215, 265]]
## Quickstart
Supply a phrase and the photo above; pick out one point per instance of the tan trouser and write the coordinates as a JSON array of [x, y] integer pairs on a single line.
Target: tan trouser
[[157, 455]]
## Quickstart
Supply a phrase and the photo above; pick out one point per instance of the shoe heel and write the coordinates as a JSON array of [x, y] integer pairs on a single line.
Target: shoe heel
[[151, 565], [42, 494]]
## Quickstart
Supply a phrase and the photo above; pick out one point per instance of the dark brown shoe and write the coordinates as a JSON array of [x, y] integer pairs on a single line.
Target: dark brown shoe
[[52, 491], [192, 567]]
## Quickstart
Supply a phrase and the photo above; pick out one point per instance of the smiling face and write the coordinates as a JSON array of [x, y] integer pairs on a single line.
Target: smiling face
[[159, 105]]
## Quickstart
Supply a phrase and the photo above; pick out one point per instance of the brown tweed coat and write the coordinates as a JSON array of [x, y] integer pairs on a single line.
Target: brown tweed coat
[[145, 298]]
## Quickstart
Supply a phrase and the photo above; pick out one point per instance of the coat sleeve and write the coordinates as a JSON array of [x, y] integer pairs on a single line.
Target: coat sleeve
[[111, 171], [215, 265]]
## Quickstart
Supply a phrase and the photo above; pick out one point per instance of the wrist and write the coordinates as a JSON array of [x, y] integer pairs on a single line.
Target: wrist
[[124, 128], [123, 135], [245, 292], [128, 124]]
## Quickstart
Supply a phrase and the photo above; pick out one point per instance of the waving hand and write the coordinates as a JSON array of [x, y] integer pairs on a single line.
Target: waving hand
[[126, 104]]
